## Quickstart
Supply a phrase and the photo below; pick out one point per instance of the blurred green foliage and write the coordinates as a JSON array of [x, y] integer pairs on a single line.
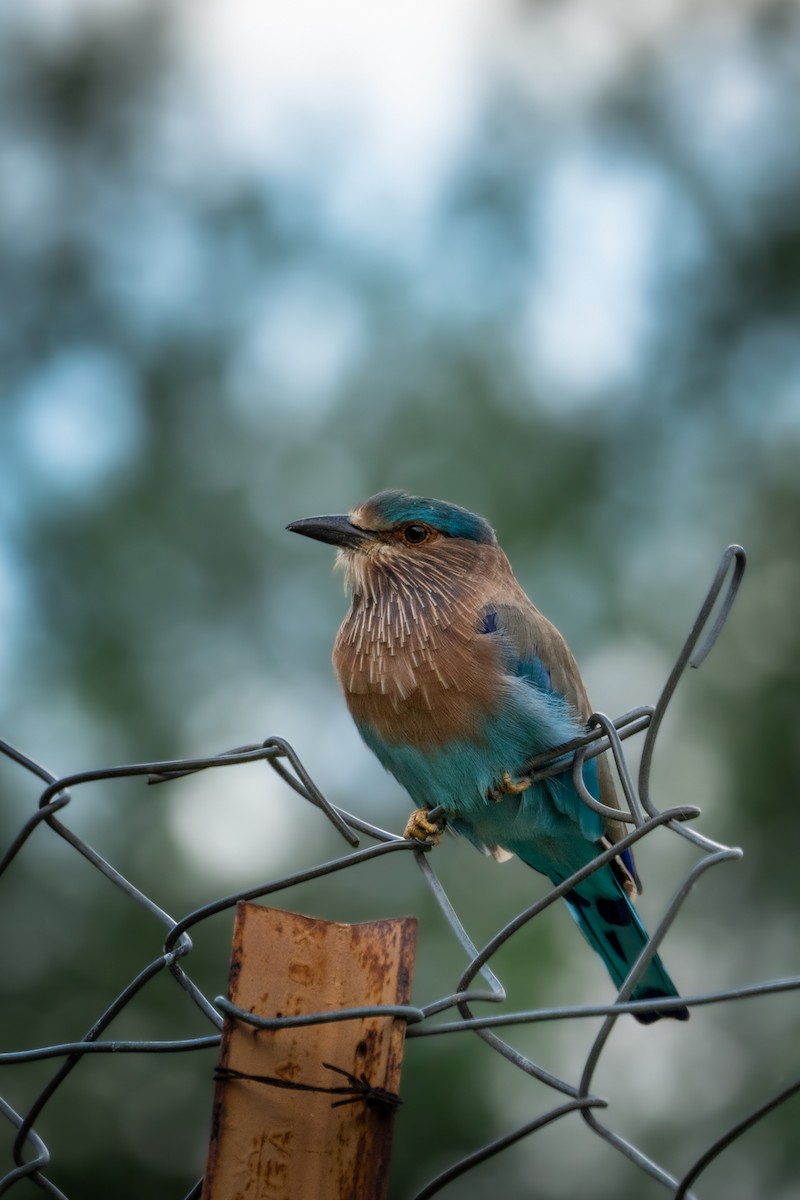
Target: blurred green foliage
[[195, 351]]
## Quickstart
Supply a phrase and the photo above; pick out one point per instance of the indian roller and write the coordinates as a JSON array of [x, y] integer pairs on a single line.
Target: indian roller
[[455, 681]]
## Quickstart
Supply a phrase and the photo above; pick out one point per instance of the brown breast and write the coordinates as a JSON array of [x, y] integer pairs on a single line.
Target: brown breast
[[409, 654]]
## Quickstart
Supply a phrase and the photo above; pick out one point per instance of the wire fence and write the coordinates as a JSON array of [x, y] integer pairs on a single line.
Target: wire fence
[[31, 1157]]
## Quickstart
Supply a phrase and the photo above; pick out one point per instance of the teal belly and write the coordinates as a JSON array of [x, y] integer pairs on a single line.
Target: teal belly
[[459, 774]]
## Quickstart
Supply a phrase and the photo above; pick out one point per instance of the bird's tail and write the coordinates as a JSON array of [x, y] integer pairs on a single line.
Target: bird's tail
[[611, 926]]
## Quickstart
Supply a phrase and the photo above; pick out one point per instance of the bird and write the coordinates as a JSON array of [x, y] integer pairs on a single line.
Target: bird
[[455, 681]]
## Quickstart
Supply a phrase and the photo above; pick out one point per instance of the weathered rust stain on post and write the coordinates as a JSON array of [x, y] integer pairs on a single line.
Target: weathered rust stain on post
[[272, 1143]]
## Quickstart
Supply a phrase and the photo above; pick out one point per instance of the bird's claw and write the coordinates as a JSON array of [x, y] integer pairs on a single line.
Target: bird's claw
[[421, 829], [508, 786]]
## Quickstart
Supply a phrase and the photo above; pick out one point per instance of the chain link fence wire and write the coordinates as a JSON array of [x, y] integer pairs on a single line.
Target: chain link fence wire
[[478, 982]]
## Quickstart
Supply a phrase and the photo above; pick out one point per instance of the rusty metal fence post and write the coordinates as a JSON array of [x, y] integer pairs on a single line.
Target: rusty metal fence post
[[307, 1110]]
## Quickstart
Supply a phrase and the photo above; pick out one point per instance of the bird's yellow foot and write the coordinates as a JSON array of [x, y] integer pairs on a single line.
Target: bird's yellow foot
[[421, 829], [508, 786]]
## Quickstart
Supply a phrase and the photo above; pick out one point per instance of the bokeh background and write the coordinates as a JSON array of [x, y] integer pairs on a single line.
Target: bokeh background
[[258, 261]]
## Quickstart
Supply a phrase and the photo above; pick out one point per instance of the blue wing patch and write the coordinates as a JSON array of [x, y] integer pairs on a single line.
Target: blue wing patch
[[489, 622], [534, 671], [627, 858]]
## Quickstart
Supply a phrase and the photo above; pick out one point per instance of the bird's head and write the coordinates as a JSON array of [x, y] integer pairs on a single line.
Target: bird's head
[[396, 528], [397, 519]]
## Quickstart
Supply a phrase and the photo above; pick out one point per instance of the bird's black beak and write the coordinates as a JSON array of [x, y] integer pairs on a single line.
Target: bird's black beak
[[337, 531]]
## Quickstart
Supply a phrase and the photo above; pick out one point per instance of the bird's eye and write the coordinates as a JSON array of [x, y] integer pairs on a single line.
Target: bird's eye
[[416, 534]]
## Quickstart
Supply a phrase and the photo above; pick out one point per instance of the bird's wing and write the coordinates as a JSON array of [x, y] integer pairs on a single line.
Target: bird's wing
[[539, 649], [540, 656]]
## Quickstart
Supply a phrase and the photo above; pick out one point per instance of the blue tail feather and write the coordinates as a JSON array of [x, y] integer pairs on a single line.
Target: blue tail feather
[[611, 926]]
